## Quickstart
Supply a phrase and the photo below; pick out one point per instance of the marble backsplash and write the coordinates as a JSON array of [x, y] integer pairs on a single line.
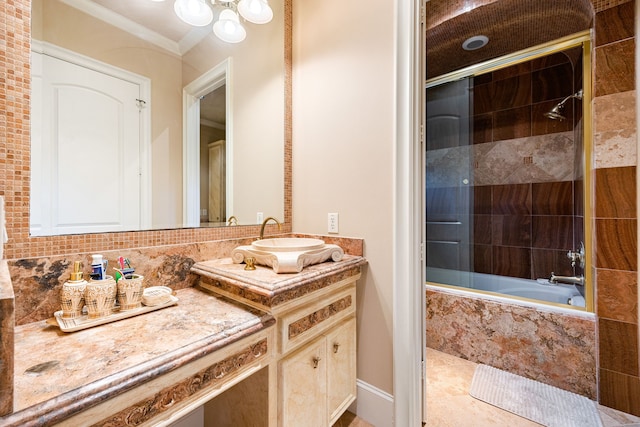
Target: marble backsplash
[[37, 281], [552, 347]]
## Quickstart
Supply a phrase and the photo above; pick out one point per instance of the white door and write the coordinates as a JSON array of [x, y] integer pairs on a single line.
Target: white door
[[86, 174]]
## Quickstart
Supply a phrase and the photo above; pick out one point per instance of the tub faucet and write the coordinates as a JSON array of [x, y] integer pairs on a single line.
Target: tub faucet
[[566, 279], [265, 223]]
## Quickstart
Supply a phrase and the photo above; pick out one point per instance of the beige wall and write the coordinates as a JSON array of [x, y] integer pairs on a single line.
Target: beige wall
[[343, 133]]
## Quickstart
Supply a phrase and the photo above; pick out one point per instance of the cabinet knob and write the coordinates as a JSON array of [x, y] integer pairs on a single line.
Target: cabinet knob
[[316, 360], [336, 347]]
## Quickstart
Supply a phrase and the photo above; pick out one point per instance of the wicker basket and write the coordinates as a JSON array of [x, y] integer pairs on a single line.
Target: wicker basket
[[130, 292], [100, 297]]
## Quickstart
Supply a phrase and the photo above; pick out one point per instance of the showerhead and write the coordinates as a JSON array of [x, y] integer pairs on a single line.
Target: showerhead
[[556, 112]]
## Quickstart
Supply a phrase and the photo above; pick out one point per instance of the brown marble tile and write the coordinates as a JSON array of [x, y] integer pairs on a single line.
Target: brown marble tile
[[615, 67], [556, 348], [552, 232], [482, 128], [617, 295], [511, 230], [482, 199], [511, 92], [482, 230], [578, 197], [552, 198], [549, 61], [483, 98], [512, 123], [614, 24], [618, 346], [512, 199], [616, 192], [547, 261], [512, 71], [620, 391], [512, 262], [552, 83], [616, 244], [482, 259]]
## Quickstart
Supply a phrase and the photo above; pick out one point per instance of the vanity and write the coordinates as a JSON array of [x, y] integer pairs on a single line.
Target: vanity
[[255, 346]]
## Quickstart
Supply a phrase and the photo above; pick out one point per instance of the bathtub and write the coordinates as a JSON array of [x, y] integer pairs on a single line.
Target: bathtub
[[541, 289]]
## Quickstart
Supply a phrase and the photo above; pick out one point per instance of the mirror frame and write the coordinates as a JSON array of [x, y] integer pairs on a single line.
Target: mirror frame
[[16, 137]]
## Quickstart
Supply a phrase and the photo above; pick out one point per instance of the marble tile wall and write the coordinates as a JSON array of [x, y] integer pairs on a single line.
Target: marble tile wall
[[615, 141], [7, 324]]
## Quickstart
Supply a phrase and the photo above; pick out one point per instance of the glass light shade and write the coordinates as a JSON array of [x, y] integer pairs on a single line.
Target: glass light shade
[[228, 27], [256, 11], [193, 12]]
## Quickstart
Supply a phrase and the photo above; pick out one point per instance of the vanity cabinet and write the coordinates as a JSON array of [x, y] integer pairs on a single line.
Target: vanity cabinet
[[314, 375], [318, 382]]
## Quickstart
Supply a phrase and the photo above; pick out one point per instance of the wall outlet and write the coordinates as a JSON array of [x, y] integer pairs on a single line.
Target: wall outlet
[[203, 212], [260, 217], [332, 225]]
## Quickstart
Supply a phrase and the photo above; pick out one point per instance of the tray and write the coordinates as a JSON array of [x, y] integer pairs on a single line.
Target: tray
[[83, 322]]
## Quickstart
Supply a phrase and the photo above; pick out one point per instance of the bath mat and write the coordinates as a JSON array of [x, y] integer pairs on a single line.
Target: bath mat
[[538, 402]]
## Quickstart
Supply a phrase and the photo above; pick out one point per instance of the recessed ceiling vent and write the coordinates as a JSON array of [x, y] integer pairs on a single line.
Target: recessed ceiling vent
[[475, 42]]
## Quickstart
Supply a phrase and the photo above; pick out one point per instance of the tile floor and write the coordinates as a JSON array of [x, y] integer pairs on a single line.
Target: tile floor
[[449, 403], [448, 382]]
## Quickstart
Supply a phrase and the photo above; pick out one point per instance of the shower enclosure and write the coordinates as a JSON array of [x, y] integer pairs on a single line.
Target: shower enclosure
[[507, 175]]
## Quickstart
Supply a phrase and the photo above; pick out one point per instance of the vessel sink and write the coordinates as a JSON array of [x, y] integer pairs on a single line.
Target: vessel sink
[[288, 244], [287, 254]]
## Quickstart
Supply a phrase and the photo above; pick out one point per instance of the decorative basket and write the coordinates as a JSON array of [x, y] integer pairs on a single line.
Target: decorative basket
[[130, 292], [100, 297]]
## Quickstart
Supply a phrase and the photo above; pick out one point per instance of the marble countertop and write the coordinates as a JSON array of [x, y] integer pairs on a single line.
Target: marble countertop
[[57, 372], [268, 288]]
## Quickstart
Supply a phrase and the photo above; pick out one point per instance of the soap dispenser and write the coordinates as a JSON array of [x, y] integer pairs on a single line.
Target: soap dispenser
[[72, 294]]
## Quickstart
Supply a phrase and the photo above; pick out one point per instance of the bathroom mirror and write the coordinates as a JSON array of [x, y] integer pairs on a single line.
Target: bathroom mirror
[[145, 40]]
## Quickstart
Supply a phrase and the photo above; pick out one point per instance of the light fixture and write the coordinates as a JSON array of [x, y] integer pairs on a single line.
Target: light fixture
[[228, 27], [193, 12], [256, 11]]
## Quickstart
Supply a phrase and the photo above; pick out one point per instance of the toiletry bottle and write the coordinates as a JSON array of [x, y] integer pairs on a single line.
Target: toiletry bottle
[[97, 267], [72, 294]]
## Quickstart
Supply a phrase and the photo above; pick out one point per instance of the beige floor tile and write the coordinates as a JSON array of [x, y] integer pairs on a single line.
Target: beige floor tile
[[465, 411], [613, 418]]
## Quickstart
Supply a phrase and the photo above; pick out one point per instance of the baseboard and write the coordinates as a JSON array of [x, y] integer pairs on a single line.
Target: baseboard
[[373, 405]]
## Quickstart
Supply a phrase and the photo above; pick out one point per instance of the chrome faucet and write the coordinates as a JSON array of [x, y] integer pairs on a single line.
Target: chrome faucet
[[566, 279], [265, 223]]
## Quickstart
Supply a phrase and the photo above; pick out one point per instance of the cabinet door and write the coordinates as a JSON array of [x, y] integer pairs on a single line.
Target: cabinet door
[[303, 385], [341, 378]]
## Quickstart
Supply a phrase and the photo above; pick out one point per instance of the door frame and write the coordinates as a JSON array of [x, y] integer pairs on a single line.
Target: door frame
[[408, 277], [191, 95]]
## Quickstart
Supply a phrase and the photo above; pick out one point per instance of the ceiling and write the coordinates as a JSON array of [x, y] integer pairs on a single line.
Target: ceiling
[[510, 25]]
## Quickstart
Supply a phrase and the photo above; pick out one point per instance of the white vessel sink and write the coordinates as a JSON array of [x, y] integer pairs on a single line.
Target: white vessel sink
[[288, 244], [288, 254]]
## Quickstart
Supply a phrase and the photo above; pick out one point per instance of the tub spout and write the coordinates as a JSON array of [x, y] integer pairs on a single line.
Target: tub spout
[[567, 279]]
